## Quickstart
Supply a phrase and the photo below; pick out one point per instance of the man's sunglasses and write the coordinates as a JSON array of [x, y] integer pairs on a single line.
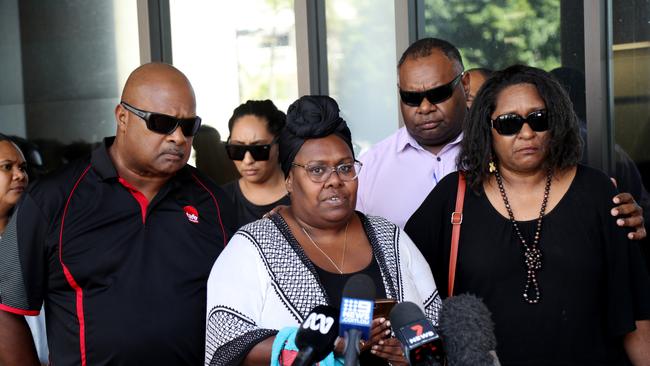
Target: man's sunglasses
[[258, 152], [436, 95], [511, 123], [164, 124]]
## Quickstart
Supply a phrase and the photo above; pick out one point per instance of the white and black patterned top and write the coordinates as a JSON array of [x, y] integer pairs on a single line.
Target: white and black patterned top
[[263, 282]]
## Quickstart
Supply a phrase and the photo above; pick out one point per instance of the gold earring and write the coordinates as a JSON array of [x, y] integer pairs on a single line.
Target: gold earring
[[492, 167]]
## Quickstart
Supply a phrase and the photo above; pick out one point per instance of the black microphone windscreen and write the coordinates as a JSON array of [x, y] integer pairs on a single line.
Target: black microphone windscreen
[[467, 331], [420, 341], [405, 313], [360, 286], [319, 331]]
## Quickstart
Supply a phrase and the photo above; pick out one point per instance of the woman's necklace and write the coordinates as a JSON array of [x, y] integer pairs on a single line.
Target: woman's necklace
[[345, 243], [532, 253]]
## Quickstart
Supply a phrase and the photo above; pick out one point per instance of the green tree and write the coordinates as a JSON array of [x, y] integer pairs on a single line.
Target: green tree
[[496, 34]]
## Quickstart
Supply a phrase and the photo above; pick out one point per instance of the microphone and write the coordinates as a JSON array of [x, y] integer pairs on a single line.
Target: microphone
[[421, 343], [316, 335], [356, 315], [467, 332]]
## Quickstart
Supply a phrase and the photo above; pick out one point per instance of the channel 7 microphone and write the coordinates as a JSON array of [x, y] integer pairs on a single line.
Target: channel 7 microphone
[[356, 315], [421, 343], [316, 335], [467, 330]]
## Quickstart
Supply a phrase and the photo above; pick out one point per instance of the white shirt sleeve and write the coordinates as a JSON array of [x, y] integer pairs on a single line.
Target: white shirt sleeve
[[416, 269], [235, 298]]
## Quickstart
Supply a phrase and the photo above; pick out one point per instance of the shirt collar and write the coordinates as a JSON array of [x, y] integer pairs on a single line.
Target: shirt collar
[[103, 165], [101, 161], [404, 139]]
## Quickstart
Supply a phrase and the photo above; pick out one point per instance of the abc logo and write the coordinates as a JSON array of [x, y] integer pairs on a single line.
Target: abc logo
[[318, 322]]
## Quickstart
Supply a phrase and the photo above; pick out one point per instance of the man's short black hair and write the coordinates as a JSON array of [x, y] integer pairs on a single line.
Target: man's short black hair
[[425, 46]]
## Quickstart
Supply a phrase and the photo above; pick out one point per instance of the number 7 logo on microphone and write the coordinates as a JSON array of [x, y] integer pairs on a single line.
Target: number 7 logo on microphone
[[418, 329]]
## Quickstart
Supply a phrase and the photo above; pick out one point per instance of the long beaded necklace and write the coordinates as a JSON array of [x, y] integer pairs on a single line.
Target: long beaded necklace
[[532, 253], [345, 244]]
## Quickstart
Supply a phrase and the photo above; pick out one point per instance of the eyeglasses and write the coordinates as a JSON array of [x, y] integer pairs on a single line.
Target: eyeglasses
[[258, 152], [320, 173], [164, 124], [436, 95], [511, 123]]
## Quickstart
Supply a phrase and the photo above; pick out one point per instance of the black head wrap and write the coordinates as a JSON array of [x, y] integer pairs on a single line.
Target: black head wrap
[[310, 117]]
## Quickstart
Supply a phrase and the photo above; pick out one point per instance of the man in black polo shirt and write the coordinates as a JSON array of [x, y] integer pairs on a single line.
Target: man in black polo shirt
[[119, 245]]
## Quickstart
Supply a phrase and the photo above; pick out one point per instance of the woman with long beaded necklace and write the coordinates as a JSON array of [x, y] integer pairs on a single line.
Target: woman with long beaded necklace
[[537, 241]]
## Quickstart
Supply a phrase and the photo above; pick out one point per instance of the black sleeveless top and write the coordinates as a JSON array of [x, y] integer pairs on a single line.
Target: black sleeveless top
[[333, 283], [247, 211]]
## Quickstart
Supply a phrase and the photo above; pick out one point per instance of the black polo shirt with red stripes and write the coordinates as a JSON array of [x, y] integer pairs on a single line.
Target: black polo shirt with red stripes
[[123, 279]]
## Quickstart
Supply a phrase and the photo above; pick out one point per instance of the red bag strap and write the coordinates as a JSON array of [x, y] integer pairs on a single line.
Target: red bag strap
[[456, 220]]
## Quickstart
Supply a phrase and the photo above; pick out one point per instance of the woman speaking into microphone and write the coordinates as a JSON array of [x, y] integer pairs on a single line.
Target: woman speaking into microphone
[[275, 270]]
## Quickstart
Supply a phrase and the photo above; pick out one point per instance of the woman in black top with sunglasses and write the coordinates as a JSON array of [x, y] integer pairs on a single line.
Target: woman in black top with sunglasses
[[537, 241], [252, 145]]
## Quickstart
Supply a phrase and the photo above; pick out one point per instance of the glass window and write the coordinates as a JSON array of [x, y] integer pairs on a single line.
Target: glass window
[[12, 105], [64, 64], [498, 34], [361, 56], [548, 34], [233, 52], [631, 86]]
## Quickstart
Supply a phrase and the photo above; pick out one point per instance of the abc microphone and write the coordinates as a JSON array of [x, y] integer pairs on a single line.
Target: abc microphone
[[421, 343], [356, 315], [316, 335]]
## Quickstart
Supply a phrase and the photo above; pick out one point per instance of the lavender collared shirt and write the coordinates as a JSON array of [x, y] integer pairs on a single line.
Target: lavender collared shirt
[[398, 174]]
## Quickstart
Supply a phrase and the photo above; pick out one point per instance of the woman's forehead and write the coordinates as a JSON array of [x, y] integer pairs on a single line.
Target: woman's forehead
[[327, 149], [9, 151], [517, 96]]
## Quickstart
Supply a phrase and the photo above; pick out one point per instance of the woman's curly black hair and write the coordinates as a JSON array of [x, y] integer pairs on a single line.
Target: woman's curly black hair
[[275, 118], [564, 145]]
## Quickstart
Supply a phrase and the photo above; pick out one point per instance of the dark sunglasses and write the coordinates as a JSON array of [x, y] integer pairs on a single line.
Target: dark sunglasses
[[258, 152], [164, 124], [436, 95], [511, 123]]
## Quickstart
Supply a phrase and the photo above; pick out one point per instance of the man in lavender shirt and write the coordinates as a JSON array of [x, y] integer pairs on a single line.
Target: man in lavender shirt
[[399, 172]]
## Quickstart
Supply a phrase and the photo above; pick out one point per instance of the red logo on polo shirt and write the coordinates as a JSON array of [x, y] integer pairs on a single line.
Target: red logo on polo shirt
[[192, 214]]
